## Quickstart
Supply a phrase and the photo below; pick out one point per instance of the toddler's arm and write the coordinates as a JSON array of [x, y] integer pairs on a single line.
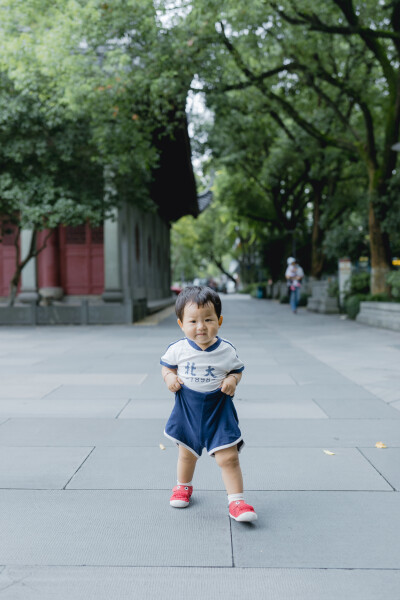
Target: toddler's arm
[[229, 383], [171, 379]]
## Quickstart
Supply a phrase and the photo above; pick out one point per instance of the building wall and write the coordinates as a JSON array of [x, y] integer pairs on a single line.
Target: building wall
[[129, 264], [145, 245]]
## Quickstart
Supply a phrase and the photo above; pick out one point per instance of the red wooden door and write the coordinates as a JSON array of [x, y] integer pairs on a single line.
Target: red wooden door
[[82, 260]]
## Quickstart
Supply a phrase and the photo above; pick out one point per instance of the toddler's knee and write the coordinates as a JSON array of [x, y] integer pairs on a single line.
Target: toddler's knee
[[186, 456], [227, 460]]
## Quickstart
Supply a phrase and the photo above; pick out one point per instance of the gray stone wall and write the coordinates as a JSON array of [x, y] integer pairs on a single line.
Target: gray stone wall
[[380, 314], [320, 301]]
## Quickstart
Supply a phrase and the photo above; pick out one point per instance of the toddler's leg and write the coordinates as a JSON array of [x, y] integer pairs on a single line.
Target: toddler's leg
[[186, 465], [183, 490], [228, 460]]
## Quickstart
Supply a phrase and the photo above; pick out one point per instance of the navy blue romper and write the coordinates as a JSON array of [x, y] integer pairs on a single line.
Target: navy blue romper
[[203, 419]]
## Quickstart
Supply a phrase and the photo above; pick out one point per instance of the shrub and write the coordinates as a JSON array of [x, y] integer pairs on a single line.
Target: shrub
[[333, 289], [359, 283], [378, 298], [248, 289], [393, 279], [352, 304], [303, 299], [256, 290]]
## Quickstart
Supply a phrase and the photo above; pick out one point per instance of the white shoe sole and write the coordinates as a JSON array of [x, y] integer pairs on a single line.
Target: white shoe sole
[[179, 503], [247, 517]]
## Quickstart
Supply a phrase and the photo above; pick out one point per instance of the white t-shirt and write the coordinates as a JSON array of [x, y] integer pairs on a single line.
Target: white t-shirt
[[202, 370], [294, 271]]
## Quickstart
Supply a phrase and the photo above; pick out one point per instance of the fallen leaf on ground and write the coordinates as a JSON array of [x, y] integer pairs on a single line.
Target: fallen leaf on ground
[[162, 447], [329, 452], [380, 445]]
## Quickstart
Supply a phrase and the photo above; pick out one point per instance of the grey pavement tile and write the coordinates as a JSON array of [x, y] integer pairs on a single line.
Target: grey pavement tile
[[396, 405], [387, 391], [65, 392], [311, 433], [149, 408], [168, 583], [246, 390], [18, 362], [279, 409], [116, 528], [387, 462], [22, 390], [39, 468], [133, 468], [333, 530], [60, 408], [320, 375], [153, 388], [309, 469], [44, 367], [255, 364], [118, 367], [83, 432], [147, 432], [282, 469], [270, 377], [353, 408]]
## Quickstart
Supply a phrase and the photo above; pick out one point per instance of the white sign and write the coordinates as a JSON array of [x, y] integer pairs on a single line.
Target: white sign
[[345, 268]]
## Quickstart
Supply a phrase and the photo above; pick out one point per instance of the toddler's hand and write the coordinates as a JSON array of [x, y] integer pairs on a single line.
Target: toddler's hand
[[229, 385], [173, 382]]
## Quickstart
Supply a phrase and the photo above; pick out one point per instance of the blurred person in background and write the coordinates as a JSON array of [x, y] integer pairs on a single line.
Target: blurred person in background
[[294, 275]]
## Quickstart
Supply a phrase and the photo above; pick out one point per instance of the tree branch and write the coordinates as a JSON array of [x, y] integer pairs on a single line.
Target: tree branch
[[314, 23], [369, 36], [371, 41]]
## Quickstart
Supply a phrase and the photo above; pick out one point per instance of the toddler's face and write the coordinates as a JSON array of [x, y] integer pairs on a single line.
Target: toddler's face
[[200, 324]]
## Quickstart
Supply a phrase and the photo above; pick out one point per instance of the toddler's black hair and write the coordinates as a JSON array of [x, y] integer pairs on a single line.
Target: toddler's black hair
[[200, 295]]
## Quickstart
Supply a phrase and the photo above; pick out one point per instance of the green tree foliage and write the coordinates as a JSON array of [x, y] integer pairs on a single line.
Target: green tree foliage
[[86, 89], [304, 96], [330, 68], [47, 177], [218, 236]]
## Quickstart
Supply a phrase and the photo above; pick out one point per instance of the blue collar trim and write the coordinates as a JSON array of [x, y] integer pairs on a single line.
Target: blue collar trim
[[209, 349]]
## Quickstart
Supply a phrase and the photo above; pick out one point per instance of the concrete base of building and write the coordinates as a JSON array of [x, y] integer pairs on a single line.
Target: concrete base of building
[[81, 312], [380, 314]]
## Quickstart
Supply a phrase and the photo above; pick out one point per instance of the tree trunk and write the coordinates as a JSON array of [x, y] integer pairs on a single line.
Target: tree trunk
[[21, 264], [14, 286], [379, 262], [317, 256], [221, 268]]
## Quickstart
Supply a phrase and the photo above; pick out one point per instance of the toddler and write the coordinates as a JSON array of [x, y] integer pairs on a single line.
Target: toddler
[[203, 371]]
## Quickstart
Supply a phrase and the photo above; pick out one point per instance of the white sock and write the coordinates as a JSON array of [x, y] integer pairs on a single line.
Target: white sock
[[235, 497], [184, 484]]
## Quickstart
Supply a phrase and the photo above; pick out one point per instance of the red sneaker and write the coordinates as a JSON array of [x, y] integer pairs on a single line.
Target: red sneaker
[[240, 511], [181, 496]]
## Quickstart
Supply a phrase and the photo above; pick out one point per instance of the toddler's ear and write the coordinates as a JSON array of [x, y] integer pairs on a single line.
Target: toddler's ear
[[180, 323], [220, 320]]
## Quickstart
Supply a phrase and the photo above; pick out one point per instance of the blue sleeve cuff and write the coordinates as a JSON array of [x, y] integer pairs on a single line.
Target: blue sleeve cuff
[[164, 364]]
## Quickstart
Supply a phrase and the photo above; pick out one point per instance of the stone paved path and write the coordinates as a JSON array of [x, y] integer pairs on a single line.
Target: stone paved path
[[84, 484]]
